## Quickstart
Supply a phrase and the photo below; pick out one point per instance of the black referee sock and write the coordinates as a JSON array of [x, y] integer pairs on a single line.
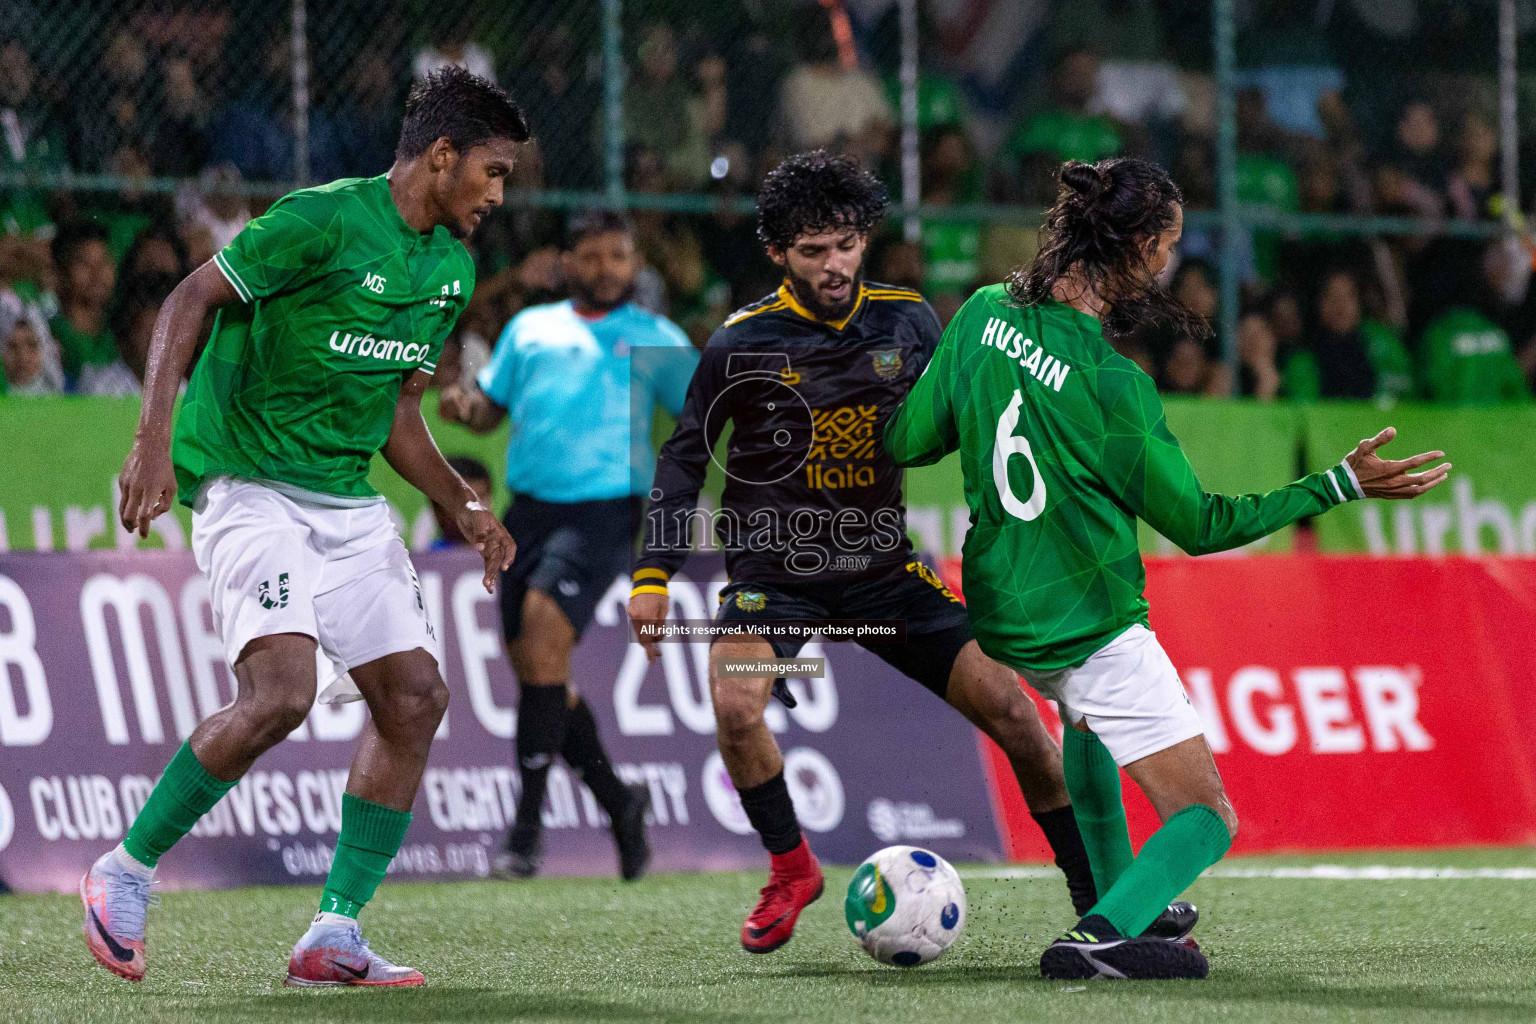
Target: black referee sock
[[1060, 828], [772, 813], [541, 715], [583, 751]]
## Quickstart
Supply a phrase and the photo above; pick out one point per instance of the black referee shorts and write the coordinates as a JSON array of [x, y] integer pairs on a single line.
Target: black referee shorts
[[937, 627], [571, 551]]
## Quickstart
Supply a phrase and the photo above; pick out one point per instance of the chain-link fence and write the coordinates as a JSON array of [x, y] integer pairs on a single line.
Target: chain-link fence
[[184, 117]]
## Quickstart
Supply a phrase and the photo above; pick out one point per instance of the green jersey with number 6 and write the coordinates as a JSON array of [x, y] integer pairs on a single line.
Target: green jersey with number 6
[[341, 301], [1063, 445]]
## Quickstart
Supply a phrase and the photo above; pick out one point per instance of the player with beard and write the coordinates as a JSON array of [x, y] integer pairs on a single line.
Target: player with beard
[[580, 380], [808, 376]]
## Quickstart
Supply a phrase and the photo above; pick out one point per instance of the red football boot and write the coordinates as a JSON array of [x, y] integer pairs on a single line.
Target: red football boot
[[794, 883]]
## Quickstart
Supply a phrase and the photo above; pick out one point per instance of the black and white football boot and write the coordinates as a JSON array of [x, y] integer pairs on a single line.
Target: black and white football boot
[[1094, 949], [1175, 923]]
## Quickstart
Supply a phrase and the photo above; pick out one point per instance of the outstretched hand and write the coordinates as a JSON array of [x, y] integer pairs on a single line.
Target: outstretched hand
[[1388, 478]]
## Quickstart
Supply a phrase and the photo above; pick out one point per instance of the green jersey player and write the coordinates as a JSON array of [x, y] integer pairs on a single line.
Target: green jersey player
[[1064, 446], [332, 309]]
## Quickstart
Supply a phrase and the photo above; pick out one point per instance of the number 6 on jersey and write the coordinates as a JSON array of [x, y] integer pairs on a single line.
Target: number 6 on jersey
[[1008, 444]]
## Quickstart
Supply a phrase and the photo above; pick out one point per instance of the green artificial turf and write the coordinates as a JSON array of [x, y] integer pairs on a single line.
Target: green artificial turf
[[666, 949]]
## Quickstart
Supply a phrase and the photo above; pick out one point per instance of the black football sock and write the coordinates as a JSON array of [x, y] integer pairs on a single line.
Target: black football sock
[[583, 751], [772, 813], [1060, 828], [541, 715]]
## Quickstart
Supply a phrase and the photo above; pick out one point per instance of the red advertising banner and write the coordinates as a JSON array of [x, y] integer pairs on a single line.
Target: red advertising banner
[[1350, 702]]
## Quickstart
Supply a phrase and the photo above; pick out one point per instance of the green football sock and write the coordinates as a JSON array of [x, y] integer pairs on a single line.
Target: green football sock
[[371, 835], [1093, 782], [1188, 843], [184, 793]]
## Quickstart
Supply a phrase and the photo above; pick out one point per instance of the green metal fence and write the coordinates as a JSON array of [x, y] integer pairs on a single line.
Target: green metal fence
[[135, 98]]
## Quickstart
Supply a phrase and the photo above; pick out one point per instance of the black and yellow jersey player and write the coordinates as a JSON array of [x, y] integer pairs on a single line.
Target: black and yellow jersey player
[[811, 517]]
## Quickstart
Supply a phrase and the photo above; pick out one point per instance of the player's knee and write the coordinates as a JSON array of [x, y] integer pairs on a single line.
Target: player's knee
[[737, 708], [1013, 712], [1219, 803], [438, 700], [271, 718], [1228, 816], [411, 701], [418, 703]]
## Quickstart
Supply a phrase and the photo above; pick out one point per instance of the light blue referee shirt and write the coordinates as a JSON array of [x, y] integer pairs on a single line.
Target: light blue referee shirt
[[581, 393]]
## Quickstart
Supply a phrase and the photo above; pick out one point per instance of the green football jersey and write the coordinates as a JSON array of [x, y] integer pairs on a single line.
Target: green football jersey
[[1063, 445], [341, 301], [1467, 360]]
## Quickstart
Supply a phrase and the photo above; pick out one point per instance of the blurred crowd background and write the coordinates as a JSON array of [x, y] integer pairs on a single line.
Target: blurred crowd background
[[140, 135]]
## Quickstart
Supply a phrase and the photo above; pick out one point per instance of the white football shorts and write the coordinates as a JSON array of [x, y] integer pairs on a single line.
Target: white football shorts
[[1130, 694], [340, 575]]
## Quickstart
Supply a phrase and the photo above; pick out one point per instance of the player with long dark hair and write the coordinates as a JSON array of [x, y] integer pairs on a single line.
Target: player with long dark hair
[[1064, 445]]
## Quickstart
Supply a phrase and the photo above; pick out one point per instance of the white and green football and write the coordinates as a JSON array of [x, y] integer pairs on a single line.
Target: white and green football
[[905, 905]]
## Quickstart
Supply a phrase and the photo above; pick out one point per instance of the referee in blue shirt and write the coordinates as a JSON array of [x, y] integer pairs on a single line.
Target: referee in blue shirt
[[580, 380]]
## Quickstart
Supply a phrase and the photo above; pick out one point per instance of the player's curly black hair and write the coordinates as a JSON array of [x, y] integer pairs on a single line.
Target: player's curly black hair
[[465, 109], [817, 191], [1105, 216]]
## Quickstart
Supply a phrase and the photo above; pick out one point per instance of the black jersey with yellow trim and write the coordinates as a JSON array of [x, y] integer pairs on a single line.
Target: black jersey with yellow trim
[[809, 492]]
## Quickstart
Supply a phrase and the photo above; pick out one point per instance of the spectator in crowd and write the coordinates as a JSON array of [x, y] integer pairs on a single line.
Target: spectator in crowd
[[1336, 361], [898, 262], [31, 139], [157, 250], [14, 309], [1187, 371], [368, 118], [753, 75], [1472, 184], [255, 132], [1466, 357], [561, 96], [180, 142], [452, 44], [1185, 365], [728, 237], [1258, 374], [479, 479], [825, 104], [664, 114], [32, 135], [133, 325], [108, 132], [1413, 175], [211, 211], [1282, 307], [1345, 145], [951, 248], [21, 357], [1065, 130], [666, 243], [86, 276]]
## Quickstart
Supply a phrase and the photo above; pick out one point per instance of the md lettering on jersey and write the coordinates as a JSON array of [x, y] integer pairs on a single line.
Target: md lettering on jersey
[[1041, 365], [1315, 712]]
